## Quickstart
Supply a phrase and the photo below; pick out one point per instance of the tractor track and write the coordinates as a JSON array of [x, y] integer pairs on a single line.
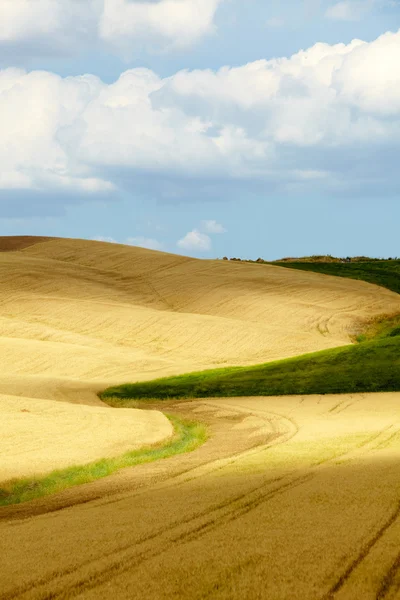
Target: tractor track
[[103, 568]]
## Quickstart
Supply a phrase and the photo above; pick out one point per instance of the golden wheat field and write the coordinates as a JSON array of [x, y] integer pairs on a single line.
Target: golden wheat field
[[294, 497]]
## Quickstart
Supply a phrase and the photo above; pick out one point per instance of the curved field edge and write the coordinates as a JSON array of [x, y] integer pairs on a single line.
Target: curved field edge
[[385, 273], [188, 436], [371, 366]]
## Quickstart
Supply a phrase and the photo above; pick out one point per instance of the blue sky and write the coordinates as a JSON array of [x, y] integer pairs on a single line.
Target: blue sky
[[203, 127]]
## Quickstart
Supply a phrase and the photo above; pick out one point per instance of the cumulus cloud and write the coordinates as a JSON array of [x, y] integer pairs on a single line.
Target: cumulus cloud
[[195, 240], [212, 227], [17, 22], [166, 23], [320, 119], [198, 239], [34, 109], [125, 26], [37, 27]]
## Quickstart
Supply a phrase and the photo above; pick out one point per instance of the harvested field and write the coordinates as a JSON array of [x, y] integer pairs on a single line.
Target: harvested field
[[41, 435], [19, 242], [293, 497], [89, 311]]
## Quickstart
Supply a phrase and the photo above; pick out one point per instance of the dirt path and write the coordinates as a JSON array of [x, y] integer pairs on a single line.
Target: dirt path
[[293, 497]]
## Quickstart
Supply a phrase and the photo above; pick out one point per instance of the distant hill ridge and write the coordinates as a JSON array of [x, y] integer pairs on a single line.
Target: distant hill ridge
[[316, 258], [384, 272], [327, 258]]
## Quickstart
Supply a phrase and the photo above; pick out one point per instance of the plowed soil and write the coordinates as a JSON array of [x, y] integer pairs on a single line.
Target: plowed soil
[[291, 497]]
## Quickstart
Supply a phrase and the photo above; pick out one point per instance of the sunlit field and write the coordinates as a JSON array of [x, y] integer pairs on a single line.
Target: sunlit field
[[288, 485]]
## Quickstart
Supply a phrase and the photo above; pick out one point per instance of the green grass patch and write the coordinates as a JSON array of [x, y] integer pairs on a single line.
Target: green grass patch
[[385, 273], [188, 436], [372, 366], [382, 327]]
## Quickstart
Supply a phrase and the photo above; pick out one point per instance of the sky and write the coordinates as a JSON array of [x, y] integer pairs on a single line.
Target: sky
[[206, 128]]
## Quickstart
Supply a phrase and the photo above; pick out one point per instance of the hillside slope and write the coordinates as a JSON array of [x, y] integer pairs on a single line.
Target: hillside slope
[[78, 316], [385, 273], [94, 311]]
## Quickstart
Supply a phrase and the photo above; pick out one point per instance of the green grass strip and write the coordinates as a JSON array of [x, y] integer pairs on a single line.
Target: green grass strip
[[385, 273], [372, 366], [188, 436], [383, 327]]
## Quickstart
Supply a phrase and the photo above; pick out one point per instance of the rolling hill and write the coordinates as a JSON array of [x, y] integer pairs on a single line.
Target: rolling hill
[[78, 316]]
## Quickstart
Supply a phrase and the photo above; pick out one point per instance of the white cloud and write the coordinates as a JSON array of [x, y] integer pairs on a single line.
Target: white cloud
[[124, 26], [165, 23], [212, 227], [194, 240], [48, 26], [320, 117], [349, 10], [34, 110], [144, 242], [17, 18], [198, 240]]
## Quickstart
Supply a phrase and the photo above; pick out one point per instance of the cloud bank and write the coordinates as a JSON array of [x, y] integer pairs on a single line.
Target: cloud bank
[[326, 119], [168, 24], [124, 26]]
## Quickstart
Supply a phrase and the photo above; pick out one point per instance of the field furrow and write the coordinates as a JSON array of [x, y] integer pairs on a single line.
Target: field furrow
[[290, 496]]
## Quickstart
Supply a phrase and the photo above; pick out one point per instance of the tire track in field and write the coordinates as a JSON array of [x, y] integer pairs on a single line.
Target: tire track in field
[[132, 560], [388, 582], [232, 574], [388, 579], [20, 592], [384, 443], [261, 499], [365, 550], [343, 405], [128, 557], [131, 556]]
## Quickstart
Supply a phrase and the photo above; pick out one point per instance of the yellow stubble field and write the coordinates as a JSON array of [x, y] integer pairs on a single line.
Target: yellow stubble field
[[291, 497]]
